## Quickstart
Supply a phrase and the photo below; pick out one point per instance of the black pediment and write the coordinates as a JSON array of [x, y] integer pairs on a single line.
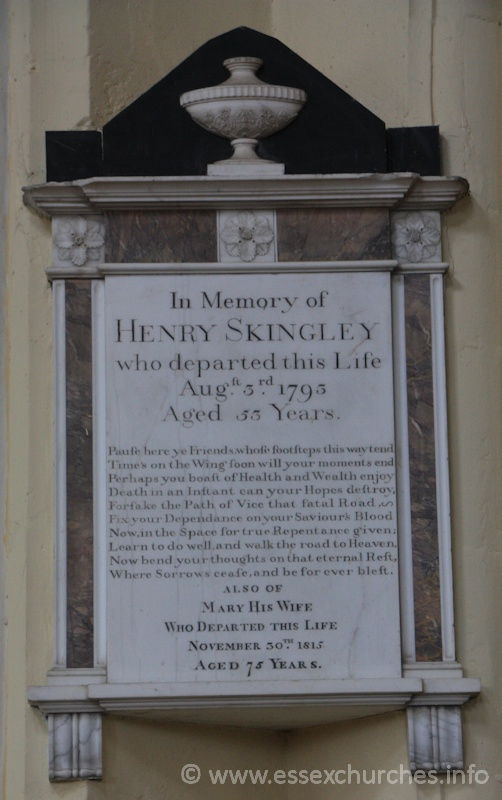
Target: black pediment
[[155, 136]]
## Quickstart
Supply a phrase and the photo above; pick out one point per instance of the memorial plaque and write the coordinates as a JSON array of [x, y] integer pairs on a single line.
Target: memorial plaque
[[251, 493], [250, 415]]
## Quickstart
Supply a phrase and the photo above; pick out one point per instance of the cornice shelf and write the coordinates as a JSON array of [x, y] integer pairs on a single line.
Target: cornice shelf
[[394, 191]]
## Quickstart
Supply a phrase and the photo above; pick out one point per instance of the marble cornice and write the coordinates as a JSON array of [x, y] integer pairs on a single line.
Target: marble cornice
[[434, 194], [396, 191], [343, 699]]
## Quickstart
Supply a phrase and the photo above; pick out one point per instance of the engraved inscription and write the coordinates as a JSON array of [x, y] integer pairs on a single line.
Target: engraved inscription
[[251, 520]]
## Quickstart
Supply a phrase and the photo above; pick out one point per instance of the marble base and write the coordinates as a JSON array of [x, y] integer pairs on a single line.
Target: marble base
[[75, 747], [435, 738], [245, 168]]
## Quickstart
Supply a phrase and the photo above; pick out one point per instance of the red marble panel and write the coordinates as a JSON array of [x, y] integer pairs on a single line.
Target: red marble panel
[[171, 236], [79, 474], [333, 234], [422, 469]]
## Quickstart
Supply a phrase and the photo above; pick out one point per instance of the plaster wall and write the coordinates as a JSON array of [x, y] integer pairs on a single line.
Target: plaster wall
[[75, 63], [4, 110], [160, 35]]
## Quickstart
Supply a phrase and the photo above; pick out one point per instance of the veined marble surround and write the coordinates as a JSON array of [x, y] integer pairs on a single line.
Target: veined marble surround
[[344, 224]]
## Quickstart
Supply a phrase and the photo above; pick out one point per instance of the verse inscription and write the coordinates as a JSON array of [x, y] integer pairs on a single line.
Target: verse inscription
[[251, 480]]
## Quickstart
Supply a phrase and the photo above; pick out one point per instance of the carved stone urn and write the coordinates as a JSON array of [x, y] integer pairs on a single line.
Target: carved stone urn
[[244, 109]]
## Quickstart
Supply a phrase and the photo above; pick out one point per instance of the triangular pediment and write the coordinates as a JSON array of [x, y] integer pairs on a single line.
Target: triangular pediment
[[155, 136]]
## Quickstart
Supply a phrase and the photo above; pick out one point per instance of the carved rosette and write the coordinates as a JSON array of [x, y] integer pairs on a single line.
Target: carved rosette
[[78, 241], [246, 236], [416, 237]]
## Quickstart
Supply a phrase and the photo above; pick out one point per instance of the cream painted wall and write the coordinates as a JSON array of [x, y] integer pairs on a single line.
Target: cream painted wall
[[4, 127], [155, 753], [48, 87], [151, 38], [470, 122], [75, 63]]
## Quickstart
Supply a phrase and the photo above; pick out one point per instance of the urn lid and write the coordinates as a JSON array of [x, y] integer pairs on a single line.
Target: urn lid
[[242, 83]]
